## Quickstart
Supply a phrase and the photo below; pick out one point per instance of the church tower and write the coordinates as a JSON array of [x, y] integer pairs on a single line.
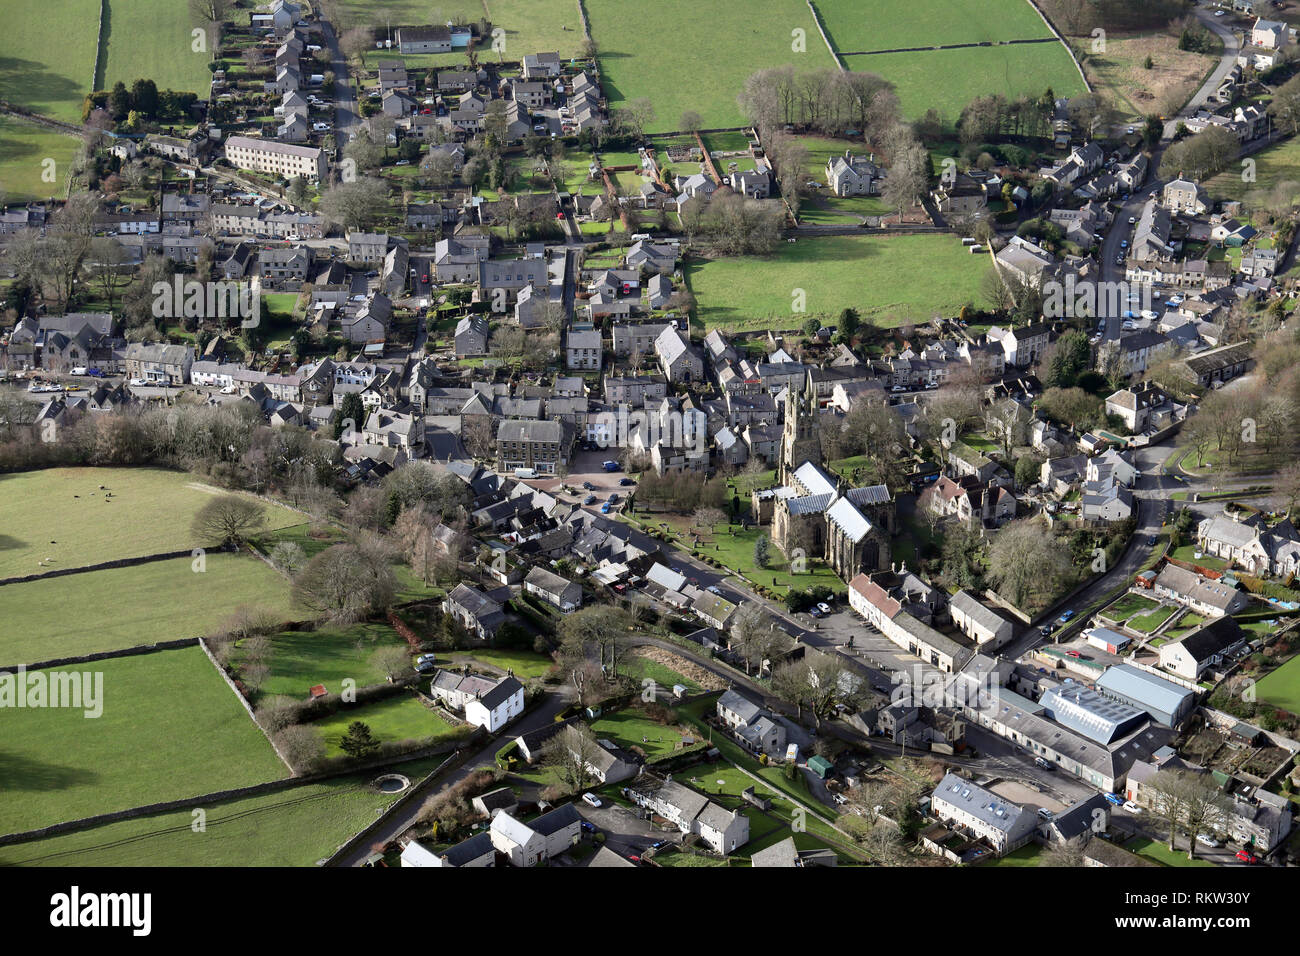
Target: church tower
[[800, 440]]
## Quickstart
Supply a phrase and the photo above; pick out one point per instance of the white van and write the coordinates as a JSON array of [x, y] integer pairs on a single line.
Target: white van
[[80, 370], [525, 472]]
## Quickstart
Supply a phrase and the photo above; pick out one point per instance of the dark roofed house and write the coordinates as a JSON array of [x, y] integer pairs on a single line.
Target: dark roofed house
[[1203, 648], [475, 611]]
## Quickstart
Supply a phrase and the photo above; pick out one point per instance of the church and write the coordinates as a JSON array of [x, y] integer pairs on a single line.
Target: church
[[815, 514]]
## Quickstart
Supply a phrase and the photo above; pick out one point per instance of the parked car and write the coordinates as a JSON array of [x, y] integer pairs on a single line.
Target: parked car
[[78, 370], [627, 481], [589, 500], [1045, 813], [1114, 799], [591, 800], [1042, 763], [229, 390], [824, 608], [1245, 856], [1206, 840], [610, 465], [613, 497], [137, 383], [1132, 807], [425, 664], [588, 826], [1064, 618], [604, 508], [589, 486]]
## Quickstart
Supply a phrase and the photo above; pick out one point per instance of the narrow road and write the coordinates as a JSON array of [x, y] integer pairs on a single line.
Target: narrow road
[[542, 716]]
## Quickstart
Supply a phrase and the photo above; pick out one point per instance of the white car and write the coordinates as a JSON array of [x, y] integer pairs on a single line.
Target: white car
[[1206, 840], [1045, 813], [824, 608], [229, 390], [1132, 807], [591, 800], [138, 382]]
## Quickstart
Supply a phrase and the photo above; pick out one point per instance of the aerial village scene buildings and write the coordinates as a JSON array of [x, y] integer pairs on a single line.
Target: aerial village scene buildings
[[506, 436]]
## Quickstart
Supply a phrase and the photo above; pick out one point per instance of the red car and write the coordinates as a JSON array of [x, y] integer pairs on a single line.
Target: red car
[[1245, 856], [1073, 654]]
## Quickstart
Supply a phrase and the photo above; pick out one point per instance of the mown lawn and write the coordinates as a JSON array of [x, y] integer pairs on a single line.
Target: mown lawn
[[525, 664], [299, 660], [24, 150], [396, 718], [46, 57], [632, 728], [1129, 605], [296, 827], [1160, 853], [125, 607], [170, 727], [62, 514], [1146, 623], [1281, 687], [834, 273], [703, 57]]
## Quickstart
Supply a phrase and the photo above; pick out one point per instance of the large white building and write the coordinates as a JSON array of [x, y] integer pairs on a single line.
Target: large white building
[[271, 156]]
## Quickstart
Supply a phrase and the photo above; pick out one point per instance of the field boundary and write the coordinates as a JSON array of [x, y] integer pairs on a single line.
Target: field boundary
[[248, 707], [948, 46], [102, 566], [99, 48], [817, 19], [133, 651], [216, 796], [1068, 49]]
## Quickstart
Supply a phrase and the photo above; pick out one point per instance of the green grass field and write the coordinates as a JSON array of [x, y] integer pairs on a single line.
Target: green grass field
[[395, 718], [152, 38], [1273, 166], [835, 273], [170, 728], [1146, 623], [704, 57], [532, 26], [642, 668], [525, 664], [631, 728], [947, 80], [926, 23], [24, 149], [61, 513], [46, 58], [293, 828], [299, 660], [1281, 687], [124, 607], [1129, 605]]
